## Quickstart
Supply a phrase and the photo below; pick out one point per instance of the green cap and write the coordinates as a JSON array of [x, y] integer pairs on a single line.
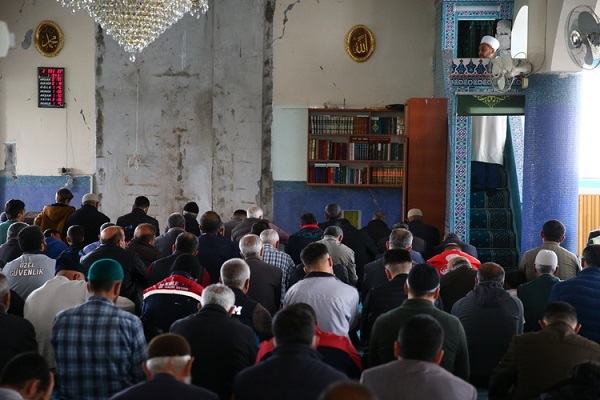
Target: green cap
[[105, 269]]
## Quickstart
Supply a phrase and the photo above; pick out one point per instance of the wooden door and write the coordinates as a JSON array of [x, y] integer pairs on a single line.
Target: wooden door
[[425, 182]]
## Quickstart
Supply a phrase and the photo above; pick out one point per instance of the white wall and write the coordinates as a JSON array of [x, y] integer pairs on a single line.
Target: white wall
[[547, 49], [48, 139], [311, 66]]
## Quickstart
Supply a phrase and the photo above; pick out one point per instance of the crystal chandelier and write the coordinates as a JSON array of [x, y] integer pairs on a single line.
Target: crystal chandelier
[[134, 24]]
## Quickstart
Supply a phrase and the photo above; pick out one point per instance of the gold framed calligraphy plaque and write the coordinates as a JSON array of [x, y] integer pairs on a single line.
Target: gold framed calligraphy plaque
[[360, 43], [49, 39]]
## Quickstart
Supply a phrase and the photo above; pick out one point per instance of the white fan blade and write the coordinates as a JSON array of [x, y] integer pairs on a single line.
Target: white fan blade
[[507, 62], [501, 82], [496, 67]]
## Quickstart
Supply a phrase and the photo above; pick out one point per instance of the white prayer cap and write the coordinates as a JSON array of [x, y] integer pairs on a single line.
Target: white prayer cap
[[491, 41]]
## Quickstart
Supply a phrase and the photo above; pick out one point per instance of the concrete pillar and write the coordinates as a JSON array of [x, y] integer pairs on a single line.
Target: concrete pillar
[[550, 167]]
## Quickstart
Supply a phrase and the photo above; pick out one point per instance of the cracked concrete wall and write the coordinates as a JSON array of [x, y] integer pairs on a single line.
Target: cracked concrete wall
[[169, 87], [241, 105], [44, 139], [201, 114]]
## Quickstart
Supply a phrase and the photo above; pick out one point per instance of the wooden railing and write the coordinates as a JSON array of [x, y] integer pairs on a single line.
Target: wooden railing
[[589, 218]]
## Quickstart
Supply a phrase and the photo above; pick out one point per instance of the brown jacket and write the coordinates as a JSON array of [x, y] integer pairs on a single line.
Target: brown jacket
[[536, 361], [54, 216]]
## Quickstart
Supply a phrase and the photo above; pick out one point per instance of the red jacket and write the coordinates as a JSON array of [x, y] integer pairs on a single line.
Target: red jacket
[[337, 351], [440, 262]]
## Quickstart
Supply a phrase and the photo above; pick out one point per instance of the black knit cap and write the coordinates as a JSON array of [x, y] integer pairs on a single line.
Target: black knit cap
[[187, 263], [423, 278], [192, 207]]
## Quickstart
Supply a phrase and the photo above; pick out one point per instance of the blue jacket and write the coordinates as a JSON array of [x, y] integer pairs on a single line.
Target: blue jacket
[[582, 293]]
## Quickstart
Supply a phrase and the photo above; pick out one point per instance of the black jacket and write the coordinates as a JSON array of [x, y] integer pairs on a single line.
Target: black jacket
[[252, 314], [130, 221], [379, 300], [145, 251], [242, 229], [292, 372], [191, 224], [377, 230], [134, 281], [455, 285], [224, 344], [90, 219], [17, 336], [164, 243], [161, 269], [265, 284], [10, 250], [430, 234], [213, 251], [299, 240]]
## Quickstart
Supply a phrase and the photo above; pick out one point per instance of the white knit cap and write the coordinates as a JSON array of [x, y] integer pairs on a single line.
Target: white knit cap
[[414, 212], [546, 257], [491, 41]]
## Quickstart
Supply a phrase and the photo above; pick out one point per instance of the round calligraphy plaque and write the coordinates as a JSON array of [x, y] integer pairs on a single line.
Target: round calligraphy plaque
[[360, 43], [49, 39]]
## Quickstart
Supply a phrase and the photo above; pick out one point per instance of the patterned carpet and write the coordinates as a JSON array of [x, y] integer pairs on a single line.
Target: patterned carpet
[[491, 226]]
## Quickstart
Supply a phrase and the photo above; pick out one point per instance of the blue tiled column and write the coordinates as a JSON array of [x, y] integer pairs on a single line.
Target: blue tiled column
[[550, 166]]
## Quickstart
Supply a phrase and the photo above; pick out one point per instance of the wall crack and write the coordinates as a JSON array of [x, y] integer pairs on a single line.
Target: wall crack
[[286, 19]]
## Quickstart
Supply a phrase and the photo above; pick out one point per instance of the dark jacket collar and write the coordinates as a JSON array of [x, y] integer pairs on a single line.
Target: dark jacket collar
[[318, 274], [400, 278], [212, 309], [138, 211], [293, 349]]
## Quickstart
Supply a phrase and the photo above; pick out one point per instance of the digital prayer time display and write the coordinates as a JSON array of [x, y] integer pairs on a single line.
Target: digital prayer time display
[[51, 85]]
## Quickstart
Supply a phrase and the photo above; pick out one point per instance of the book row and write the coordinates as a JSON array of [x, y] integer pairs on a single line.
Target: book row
[[334, 173], [321, 124], [387, 175], [357, 149]]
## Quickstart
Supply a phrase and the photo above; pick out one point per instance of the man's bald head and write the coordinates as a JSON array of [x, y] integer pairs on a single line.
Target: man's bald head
[[145, 233], [112, 235], [254, 212]]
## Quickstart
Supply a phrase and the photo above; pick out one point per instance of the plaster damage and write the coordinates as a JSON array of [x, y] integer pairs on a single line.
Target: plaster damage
[[285, 17], [204, 114], [10, 159]]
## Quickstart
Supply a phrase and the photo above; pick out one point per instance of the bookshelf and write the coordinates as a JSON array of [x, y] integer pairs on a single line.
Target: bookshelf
[[356, 148]]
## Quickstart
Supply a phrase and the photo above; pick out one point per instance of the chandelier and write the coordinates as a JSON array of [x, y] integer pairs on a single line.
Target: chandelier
[[134, 24]]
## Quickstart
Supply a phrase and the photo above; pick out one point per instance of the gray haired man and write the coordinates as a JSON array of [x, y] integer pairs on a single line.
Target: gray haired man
[[168, 369], [224, 345]]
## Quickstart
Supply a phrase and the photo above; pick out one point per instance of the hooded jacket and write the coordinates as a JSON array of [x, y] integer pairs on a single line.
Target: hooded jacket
[[491, 317], [54, 216]]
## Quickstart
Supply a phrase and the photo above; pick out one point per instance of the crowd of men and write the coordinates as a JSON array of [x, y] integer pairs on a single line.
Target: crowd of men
[[211, 309]]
